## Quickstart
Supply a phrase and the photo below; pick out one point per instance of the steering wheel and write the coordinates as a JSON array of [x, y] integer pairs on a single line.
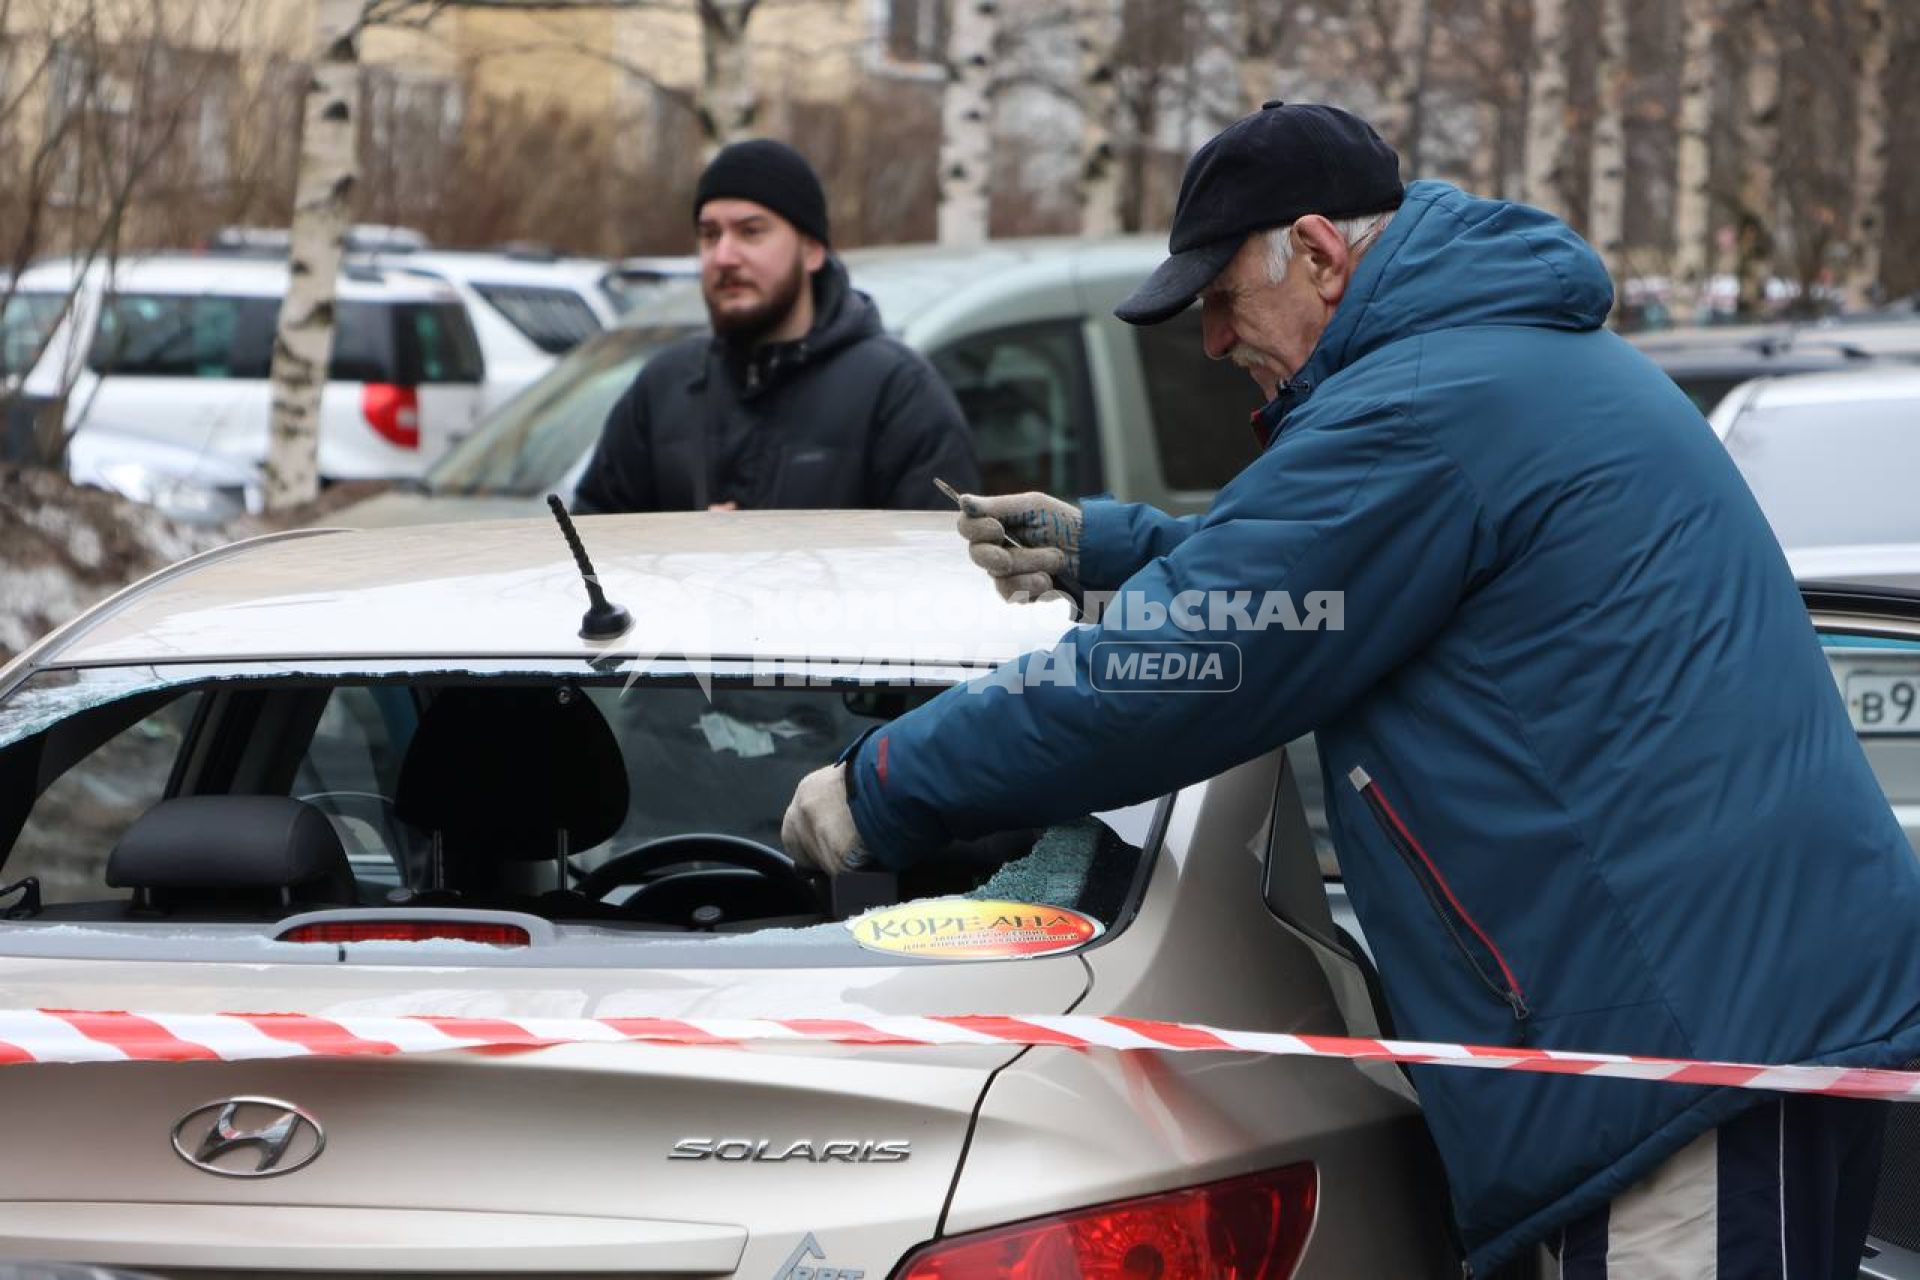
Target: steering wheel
[[756, 880], [376, 811]]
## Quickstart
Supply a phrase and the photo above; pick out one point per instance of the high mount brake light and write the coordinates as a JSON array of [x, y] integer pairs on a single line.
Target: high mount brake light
[[392, 411], [1250, 1228], [498, 935]]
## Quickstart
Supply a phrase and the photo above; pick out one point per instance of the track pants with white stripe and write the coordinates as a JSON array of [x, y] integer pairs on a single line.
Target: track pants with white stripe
[[1783, 1191]]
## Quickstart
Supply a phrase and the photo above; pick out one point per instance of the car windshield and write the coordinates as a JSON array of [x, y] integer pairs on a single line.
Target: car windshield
[[610, 813], [527, 448]]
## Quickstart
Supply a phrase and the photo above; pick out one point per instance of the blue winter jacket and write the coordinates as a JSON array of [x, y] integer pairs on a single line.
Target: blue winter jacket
[[1589, 777]]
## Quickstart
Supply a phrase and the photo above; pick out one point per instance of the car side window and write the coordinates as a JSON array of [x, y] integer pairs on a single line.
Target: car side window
[[351, 771], [1025, 394], [1200, 407], [165, 336], [552, 319], [81, 815], [27, 322]]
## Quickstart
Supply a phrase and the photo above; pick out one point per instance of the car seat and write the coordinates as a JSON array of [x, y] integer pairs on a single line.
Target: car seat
[[505, 775], [246, 857]]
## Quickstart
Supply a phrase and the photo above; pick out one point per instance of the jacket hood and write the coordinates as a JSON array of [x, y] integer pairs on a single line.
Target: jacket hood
[[842, 316], [1449, 260]]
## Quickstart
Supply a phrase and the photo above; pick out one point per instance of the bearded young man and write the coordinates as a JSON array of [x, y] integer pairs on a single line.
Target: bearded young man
[[799, 398], [1588, 773]]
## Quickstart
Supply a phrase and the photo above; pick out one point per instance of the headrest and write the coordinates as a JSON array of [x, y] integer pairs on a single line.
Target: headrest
[[504, 768], [233, 842]]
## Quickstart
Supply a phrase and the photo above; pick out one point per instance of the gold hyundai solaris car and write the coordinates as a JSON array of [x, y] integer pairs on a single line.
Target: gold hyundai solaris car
[[371, 775], [355, 774]]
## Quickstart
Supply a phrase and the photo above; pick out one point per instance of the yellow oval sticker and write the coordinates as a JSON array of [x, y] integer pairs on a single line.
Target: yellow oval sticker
[[971, 929]]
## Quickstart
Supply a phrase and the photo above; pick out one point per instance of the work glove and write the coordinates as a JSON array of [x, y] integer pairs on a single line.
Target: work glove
[[1046, 530], [818, 828]]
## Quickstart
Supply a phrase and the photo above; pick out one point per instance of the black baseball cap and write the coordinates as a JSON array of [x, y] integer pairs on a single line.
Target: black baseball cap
[[1283, 162]]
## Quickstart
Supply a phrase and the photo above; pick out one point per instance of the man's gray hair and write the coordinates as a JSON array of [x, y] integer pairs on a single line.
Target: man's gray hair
[[1359, 233]]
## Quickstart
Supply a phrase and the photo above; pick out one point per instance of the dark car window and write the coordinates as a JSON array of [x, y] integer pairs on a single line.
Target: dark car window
[[26, 322], [555, 320], [74, 822], [1025, 394], [528, 446], [1200, 407], [216, 336]]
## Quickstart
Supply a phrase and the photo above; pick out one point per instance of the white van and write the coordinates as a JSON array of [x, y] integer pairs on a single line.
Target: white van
[[177, 349]]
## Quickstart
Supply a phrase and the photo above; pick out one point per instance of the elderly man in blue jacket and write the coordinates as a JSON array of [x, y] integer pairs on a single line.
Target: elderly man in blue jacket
[[1590, 780]]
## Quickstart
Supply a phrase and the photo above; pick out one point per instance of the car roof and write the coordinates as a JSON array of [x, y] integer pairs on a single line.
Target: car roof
[[230, 276], [1877, 381], [871, 586], [908, 282], [481, 267]]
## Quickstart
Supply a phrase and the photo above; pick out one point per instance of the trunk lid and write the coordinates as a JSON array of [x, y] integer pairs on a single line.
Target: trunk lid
[[646, 1159]]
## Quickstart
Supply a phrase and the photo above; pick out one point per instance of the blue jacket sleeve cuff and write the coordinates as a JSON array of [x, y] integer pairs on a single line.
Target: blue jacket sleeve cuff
[[1106, 550], [881, 834]]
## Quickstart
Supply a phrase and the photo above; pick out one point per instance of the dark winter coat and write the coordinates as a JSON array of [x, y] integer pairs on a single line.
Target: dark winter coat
[[845, 417], [1589, 776]]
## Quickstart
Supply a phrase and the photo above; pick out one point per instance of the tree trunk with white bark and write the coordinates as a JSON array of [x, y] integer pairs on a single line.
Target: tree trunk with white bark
[[1098, 35], [1692, 211], [323, 192], [1867, 226], [726, 104], [1483, 165], [1407, 83], [1260, 26], [1607, 182], [966, 124], [1547, 108], [1760, 153]]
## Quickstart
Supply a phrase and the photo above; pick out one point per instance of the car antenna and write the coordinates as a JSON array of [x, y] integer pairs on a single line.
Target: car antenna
[[603, 620]]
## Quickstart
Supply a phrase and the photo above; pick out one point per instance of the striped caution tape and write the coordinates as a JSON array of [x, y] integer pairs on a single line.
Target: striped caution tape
[[73, 1035]]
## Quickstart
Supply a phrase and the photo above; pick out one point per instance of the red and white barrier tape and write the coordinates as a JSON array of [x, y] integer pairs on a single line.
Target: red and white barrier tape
[[69, 1035]]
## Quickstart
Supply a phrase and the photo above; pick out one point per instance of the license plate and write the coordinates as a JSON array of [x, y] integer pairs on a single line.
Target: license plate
[[1884, 704]]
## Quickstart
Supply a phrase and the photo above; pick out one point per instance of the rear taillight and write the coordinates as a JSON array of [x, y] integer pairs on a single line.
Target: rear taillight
[[393, 411], [498, 935], [1252, 1228]]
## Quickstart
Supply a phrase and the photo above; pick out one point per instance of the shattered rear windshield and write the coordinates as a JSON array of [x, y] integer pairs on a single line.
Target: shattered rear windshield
[[611, 814]]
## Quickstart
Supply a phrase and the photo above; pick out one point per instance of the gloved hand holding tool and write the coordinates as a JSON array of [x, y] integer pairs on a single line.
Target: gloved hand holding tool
[[1028, 542]]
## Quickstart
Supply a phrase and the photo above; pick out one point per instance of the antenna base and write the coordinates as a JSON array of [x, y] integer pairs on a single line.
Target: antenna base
[[605, 621]]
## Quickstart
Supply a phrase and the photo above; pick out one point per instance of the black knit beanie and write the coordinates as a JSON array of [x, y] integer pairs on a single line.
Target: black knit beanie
[[769, 173]]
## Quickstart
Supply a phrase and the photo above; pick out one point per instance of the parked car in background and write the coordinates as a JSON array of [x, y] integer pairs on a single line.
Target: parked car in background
[[177, 350], [350, 773], [528, 309], [1060, 395], [1831, 457], [633, 282], [1708, 363]]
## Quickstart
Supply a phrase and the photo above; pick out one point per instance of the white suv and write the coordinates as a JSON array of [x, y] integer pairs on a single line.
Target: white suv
[[173, 354], [527, 309]]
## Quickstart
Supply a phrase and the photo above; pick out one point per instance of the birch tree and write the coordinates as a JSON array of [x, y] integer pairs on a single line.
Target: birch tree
[[1547, 108], [1607, 185], [1408, 47], [1262, 26], [966, 124], [1867, 227], [726, 103], [1760, 153], [323, 192], [1097, 35], [1692, 213]]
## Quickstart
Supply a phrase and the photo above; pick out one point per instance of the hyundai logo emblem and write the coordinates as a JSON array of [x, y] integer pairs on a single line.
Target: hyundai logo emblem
[[248, 1138]]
